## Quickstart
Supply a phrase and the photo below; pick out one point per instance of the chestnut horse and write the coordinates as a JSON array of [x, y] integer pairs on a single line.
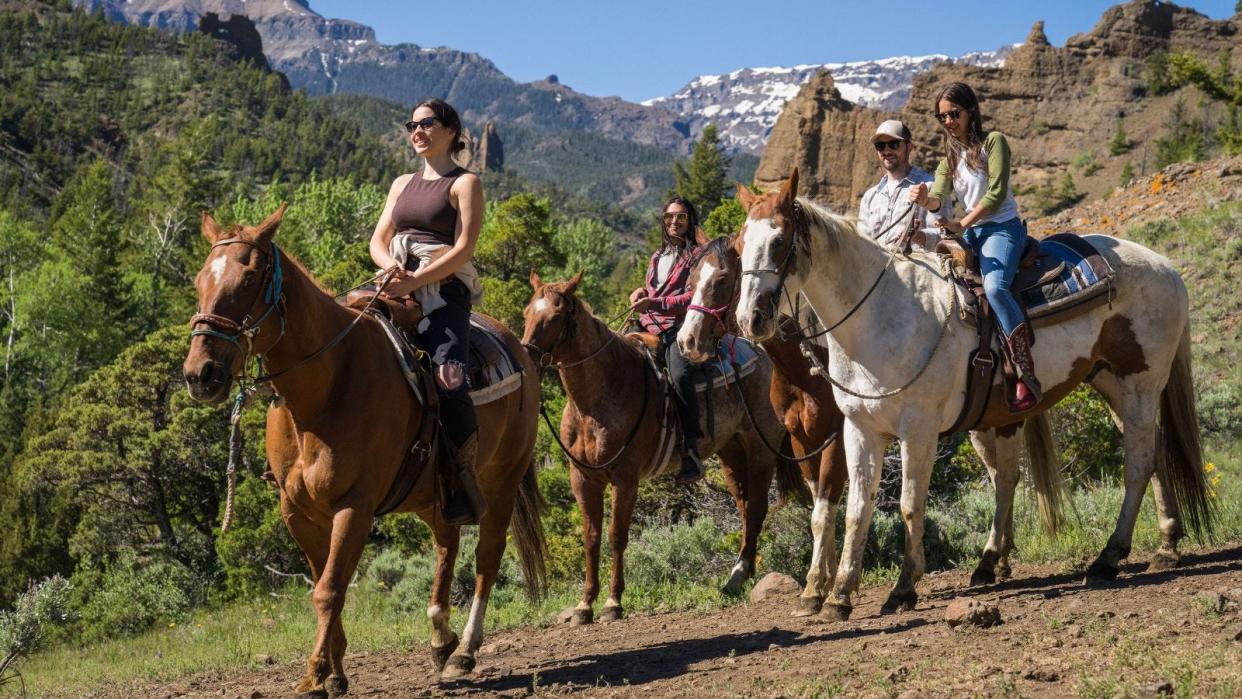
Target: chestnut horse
[[899, 368], [618, 429], [342, 422], [805, 401]]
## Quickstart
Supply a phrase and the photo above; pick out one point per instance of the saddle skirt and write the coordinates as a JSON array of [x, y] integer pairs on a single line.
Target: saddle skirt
[[1068, 276]]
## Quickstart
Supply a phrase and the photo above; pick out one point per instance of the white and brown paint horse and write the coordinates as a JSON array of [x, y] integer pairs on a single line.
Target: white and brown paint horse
[[804, 400], [618, 429], [899, 368]]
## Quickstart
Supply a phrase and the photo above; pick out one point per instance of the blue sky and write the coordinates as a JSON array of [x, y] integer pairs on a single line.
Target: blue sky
[[639, 49]]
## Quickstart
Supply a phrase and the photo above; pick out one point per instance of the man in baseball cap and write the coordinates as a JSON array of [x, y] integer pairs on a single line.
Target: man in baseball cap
[[885, 212]]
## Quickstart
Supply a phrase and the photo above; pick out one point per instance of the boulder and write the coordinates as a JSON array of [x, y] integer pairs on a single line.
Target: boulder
[[971, 612], [774, 586]]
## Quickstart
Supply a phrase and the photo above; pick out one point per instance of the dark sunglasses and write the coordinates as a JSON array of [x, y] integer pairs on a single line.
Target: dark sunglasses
[[426, 123], [953, 114], [881, 146], [680, 216]]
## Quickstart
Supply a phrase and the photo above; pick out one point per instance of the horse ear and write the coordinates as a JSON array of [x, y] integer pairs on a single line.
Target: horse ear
[[572, 285], [745, 197], [535, 281], [790, 188], [211, 229], [267, 229]]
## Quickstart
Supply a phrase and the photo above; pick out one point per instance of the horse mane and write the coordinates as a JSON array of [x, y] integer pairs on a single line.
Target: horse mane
[[559, 287], [834, 225]]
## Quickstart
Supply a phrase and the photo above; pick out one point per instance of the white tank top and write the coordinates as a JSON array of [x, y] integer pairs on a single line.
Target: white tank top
[[970, 186]]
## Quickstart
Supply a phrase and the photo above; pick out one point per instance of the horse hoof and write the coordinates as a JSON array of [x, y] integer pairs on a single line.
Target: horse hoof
[[441, 654], [982, 576], [457, 666], [612, 614], [732, 589], [1164, 560], [1003, 572], [809, 606], [1100, 572], [837, 612], [900, 603], [336, 686], [582, 617]]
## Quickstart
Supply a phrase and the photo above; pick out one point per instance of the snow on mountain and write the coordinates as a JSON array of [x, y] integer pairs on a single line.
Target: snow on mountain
[[744, 104]]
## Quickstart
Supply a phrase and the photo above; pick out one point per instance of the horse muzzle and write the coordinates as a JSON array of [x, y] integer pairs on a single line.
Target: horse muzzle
[[208, 381], [758, 322]]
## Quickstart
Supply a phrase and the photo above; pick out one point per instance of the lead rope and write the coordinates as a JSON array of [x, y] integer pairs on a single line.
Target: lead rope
[[235, 455]]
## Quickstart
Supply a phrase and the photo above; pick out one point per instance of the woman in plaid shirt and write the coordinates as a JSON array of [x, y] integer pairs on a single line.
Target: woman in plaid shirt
[[661, 305]]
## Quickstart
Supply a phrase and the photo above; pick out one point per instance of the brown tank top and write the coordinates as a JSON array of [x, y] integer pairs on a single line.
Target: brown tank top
[[424, 209]]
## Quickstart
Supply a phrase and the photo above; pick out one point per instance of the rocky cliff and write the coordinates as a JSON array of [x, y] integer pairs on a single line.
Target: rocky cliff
[[1059, 106]]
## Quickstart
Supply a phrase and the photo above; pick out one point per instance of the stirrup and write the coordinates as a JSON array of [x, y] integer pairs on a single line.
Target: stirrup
[[691, 468]]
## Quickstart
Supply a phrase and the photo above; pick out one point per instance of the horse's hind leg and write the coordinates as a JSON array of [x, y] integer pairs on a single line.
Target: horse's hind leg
[[590, 497], [490, 551], [748, 472], [1171, 532], [1137, 405], [443, 640], [1000, 455], [624, 496]]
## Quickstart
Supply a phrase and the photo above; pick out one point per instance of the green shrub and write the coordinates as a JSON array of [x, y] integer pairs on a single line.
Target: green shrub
[[130, 596], [23, 629], [1120, 142], [405, 531], [695, 553], [1090, 444]]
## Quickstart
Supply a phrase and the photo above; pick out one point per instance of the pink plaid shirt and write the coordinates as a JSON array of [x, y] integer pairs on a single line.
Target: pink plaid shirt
[[668, 300]]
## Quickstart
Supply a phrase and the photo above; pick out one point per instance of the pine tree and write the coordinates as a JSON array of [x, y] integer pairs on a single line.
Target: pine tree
[[1127, 174], [704, 180], [1120, 143]]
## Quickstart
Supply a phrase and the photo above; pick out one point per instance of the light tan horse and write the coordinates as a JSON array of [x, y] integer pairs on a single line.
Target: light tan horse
[[899, 368], [340, 428], [618, 430]]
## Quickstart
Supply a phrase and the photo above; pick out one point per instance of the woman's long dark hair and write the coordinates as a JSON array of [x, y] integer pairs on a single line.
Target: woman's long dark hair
[[964, 97], [692, 216], [447, 116]]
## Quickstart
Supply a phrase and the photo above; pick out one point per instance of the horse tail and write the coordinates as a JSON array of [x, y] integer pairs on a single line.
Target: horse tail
[[1046, 477], [527, 527], [790, 486], [1179, 455]]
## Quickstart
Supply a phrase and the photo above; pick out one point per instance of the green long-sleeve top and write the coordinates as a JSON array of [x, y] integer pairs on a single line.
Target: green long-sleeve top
[[990, 188]]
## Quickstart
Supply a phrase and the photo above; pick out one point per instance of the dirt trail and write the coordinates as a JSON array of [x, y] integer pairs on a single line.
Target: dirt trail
[[1178, 629]]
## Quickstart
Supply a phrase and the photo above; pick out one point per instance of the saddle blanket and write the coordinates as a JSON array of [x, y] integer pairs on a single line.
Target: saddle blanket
[[492, 372], [732, 350], [1085, 277]]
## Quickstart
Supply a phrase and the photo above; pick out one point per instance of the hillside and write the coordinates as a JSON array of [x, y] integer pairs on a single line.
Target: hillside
[[1058, 106]]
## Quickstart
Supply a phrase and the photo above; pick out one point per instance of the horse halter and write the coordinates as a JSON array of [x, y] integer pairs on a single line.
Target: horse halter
[[721, 313], [568, 328], [271, 294], [782, 270]]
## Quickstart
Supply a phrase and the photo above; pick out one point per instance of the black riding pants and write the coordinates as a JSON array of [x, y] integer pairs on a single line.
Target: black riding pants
[[445, 335], [684, 374]]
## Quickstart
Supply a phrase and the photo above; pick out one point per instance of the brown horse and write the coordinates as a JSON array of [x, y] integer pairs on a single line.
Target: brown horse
[[802, 400], [342, 423], [618, 429], [810, 413]]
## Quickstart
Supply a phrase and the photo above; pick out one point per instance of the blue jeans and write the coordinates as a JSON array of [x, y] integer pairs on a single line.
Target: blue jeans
[[999, 249]]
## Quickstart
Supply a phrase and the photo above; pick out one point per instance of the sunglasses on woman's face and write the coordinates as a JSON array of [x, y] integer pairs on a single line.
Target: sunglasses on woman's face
[[881, 146], [425, 124], [679, 217], [953, 114]]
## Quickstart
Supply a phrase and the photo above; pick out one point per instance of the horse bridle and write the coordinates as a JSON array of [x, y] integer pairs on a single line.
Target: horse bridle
[[568, 329], [271, 294]]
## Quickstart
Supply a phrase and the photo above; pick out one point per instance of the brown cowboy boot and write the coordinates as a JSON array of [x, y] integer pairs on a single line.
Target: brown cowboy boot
[[1027, 391], [464, 503], [691, 466]]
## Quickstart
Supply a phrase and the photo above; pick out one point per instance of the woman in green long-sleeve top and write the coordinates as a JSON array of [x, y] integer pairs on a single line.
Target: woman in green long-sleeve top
[[976, 169]]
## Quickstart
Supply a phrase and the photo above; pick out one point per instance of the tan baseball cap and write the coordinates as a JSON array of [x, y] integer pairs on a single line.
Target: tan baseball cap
[[892, 128]]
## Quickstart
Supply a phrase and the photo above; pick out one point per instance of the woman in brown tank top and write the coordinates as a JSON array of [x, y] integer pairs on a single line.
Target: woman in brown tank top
[[441, 208]]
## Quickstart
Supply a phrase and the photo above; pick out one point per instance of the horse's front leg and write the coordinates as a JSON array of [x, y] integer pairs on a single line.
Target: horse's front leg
[[1000, 456], [624, 495], [828, 486], [918, 453], [590, 496], [748, 473], [325, 673], [864, 456], [443, 640]]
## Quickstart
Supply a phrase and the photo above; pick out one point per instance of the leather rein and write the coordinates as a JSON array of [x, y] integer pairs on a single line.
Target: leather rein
[[272, 295]]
